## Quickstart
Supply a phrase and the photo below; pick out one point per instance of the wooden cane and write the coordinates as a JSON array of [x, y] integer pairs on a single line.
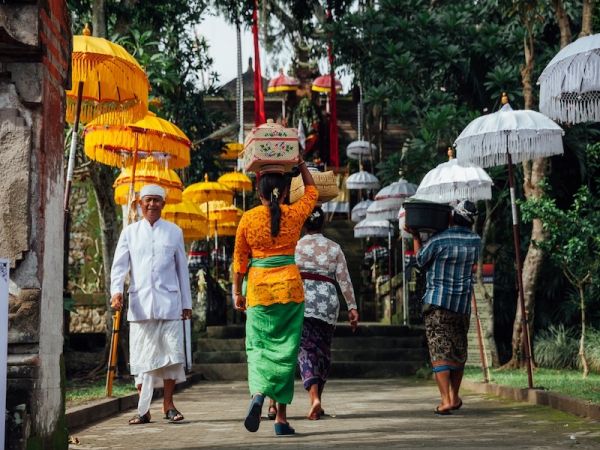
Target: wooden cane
[[112, 357], [482, 355]]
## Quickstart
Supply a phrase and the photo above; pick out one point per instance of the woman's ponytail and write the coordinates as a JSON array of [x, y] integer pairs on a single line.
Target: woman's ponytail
[[271, 187]]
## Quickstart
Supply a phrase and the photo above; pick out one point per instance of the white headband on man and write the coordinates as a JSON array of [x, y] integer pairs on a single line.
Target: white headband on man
[[152, 189]]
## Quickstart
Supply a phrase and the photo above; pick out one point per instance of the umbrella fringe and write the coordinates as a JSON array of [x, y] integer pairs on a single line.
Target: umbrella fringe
[[446, 193], [569, 88], [489, 149]]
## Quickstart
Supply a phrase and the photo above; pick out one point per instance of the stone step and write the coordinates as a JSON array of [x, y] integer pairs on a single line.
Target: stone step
[[342, 329], [357, 369], [337, 355], [339, 343]]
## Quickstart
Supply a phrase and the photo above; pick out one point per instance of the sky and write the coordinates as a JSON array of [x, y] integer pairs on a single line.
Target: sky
[[222, 48]]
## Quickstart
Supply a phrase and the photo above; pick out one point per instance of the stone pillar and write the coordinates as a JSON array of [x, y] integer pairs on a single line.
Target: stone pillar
[[35, 48]]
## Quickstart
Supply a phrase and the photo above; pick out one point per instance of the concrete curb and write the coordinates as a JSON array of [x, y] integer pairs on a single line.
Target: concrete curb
[[561, 402], [81, 416]]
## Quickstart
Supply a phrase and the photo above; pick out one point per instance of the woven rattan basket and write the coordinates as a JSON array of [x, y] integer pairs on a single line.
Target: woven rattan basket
[[325, 182]]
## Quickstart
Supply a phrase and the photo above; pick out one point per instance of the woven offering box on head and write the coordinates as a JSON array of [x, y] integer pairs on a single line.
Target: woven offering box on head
[[271, 147], [325, 182]]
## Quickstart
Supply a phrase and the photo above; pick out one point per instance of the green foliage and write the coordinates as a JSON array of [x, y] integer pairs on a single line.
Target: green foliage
[[573, 238], [556, 348]]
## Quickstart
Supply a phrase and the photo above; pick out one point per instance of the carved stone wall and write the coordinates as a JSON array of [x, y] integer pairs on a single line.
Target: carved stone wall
[[35, 42]]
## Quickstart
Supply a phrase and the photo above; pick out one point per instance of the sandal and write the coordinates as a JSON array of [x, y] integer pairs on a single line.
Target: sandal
[[272, 413], [252, 421], [442, 412], [284, 429], [139, 420], [173, 415]]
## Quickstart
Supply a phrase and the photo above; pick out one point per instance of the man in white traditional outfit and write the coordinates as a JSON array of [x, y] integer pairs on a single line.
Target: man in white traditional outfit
[[152, 252]]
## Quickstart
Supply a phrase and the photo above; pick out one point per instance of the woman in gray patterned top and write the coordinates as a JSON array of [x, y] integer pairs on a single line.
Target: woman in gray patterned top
[[322, 265]]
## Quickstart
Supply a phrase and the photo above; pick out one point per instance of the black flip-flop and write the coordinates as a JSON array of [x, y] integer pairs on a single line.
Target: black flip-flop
[[252, 421], [457, 407], [442, 412], [172, 415]]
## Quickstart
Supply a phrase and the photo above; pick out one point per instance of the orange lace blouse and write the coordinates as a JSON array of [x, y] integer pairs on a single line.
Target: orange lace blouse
[[253, 239]]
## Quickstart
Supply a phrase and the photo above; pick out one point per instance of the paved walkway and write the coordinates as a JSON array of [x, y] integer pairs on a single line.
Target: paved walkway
[[361, 414]]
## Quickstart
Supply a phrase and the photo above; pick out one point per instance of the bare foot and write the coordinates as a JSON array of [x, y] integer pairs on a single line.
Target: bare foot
[[315, 411]]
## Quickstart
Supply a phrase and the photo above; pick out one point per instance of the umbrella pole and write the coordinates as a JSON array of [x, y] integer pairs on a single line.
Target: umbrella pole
[[519, 266], [404, 296], [392, 299], [72, 150], [283, 109], [482, 355]]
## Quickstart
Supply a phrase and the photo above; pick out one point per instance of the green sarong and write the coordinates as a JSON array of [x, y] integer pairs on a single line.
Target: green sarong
[[272, 341]]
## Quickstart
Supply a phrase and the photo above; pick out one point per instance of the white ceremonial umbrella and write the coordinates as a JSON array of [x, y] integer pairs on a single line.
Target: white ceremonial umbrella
[[454, 180], [372, 228], [570, 83], [360, 150], [504, 137], [400, 190], [362, 180], [359, 212], [384, 209]]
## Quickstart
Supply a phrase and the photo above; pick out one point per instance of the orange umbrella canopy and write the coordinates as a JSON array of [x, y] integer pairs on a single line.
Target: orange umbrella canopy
[[206, 191], [232, 150], [283, 83], [236, 181], [114, 83], [323, 84], [115, 144], [148, 171]]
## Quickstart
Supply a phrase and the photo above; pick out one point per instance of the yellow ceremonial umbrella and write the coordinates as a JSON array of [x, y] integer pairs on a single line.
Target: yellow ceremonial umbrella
[[149, 171], [206, 191], [237, 181], [232, 150], [105, 79], [116, 145], [188, 217], [220, 211]]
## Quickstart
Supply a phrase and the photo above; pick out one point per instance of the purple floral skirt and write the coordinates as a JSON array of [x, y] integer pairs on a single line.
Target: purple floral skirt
[[314, 357]]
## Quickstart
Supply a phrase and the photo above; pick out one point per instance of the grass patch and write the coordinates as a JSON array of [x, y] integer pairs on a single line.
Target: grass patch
[[82, 392], [566, 382]]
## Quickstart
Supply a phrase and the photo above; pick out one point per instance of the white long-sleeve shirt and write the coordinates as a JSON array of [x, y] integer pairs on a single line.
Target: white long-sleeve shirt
[[154, 256]]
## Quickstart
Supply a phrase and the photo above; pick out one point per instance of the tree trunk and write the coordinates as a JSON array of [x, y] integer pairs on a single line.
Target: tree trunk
[[582, 355], [586, 18], [488, 332], [99, 18], [562, 19]]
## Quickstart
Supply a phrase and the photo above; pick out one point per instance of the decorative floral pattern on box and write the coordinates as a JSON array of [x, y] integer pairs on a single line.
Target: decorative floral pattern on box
[[270, 144]]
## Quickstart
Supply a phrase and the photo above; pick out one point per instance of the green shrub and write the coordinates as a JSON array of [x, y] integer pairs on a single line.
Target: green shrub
[[557, 348], [592, 349]]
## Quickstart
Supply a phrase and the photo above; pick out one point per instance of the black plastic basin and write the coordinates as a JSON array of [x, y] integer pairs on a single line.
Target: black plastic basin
[[427, 216]]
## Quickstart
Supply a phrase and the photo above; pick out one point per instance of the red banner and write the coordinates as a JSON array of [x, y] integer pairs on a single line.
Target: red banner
[[259, 96]]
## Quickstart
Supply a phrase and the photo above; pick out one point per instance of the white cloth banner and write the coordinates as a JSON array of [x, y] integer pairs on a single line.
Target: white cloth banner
[[3, 340]]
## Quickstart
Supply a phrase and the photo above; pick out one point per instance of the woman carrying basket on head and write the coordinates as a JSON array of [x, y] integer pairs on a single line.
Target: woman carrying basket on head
[[265, 244]]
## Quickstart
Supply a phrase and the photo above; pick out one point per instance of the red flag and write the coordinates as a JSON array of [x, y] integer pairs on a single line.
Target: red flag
[[259, 96], [334, 158]]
